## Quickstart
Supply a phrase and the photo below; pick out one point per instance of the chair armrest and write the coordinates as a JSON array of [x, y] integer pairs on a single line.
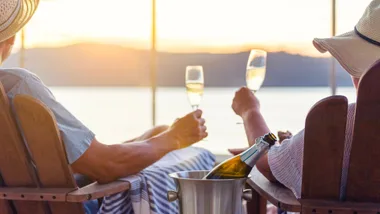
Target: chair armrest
[[277, 194], [34, 194], [89, 192], [95, 191]]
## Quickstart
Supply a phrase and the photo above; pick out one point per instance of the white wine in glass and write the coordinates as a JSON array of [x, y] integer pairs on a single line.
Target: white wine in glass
[[194, 85], [256, 69]]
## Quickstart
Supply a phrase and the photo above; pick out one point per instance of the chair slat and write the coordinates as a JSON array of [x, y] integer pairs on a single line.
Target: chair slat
[[42, 136], [4, 207], [15, 168], [323, 149], [364, 171]]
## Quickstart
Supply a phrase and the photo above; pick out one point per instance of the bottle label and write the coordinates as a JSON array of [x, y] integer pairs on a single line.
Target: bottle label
[[252, 155]]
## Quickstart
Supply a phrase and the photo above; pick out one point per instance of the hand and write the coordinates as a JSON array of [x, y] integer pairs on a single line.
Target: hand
[[245, 101], [188, 129], [284, 135], [237, 151]]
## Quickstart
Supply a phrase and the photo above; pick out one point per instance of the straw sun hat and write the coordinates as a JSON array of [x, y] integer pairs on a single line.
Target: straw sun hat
[[358, 49], [14, 14]]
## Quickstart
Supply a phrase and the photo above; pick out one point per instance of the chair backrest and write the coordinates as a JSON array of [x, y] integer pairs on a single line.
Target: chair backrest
[[324, 147], [363, 182], [32, 155]]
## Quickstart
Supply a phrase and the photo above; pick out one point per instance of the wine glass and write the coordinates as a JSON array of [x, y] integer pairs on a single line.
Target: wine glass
[[194, 85], [255, 70]]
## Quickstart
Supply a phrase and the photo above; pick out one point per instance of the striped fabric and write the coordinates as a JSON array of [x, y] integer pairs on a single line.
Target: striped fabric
[[149, 187], [286, 160]]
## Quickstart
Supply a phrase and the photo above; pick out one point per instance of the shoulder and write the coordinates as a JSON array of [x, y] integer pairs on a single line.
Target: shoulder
[[22, 81], [20, 73], [14, 80]]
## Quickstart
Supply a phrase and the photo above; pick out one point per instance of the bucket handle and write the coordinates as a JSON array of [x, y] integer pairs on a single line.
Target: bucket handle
[[172, 195], [247, 194]]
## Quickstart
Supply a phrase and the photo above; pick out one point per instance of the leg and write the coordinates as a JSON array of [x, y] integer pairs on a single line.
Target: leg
[[91, 207]]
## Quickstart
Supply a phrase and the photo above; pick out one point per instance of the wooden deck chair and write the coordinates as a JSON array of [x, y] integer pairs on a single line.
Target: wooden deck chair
[[34, 171], [323, 158]]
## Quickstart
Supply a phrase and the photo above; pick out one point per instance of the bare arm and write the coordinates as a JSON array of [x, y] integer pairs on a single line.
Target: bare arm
[[247, 106], [255, 125], [106, 163]]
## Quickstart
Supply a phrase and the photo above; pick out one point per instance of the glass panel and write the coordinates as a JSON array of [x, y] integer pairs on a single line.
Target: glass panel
[[218, 36], [93, 55], [348, 15]]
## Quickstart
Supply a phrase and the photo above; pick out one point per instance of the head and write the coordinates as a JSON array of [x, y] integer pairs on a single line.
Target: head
[[359, 49], [14, 15]]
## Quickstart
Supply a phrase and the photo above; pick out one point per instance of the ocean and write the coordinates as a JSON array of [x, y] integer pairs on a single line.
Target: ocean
[[116, 114]]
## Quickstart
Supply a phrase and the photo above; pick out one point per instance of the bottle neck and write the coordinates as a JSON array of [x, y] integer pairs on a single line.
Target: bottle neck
[[251, 155]]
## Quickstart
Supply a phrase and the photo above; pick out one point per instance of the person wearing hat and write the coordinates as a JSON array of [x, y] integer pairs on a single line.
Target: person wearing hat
[[356, 51], [82, 148]]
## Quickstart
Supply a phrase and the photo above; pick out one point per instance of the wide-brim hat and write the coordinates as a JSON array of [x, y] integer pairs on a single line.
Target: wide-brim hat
[[14, 14], [358, 49]]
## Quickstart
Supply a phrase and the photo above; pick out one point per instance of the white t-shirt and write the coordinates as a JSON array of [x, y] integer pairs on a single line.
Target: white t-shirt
[[76, 136]]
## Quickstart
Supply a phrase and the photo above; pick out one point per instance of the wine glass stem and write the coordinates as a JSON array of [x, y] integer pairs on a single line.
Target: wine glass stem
[[195, 107]]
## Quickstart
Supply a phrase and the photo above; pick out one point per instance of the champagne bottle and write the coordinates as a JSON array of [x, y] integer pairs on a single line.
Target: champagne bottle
[[241, 165]]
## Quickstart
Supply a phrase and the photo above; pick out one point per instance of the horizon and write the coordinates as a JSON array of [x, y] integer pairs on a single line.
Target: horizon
[[118, 66], [198, 50], [222, 27]]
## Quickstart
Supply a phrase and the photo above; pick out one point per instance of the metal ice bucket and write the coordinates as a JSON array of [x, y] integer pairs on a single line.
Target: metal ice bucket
[[197, 196]]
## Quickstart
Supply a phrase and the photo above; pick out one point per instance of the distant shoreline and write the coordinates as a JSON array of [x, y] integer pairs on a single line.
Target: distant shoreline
[[97, 65], [171, 87]]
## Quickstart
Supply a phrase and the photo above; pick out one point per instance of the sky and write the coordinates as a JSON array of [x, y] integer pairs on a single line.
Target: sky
[[192, 25]]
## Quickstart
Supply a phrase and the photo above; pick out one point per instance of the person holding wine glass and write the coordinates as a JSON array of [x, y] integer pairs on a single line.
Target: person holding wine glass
[[255, 76], [356, 51], [89, 158]]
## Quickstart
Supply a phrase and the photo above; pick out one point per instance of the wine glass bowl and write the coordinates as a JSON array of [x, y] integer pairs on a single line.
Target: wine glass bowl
[[256, 69], [194, 85]]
